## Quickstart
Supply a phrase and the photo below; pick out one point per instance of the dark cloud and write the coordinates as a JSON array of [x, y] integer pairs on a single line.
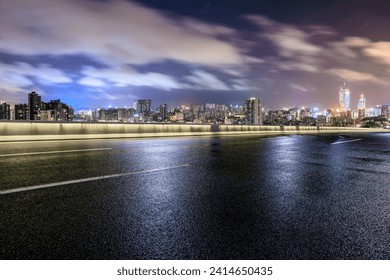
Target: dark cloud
[[91, 51]]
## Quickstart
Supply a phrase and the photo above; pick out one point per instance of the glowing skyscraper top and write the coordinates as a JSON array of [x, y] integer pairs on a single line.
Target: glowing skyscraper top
[[362, 102], [361, 107], [344, 98]]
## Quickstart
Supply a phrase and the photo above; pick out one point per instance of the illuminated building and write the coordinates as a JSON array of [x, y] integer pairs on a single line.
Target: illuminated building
[[34, 105], [344, 98], [253, 111], [62, 111], [5, 111], [143, 107], [385, 111], [361, 107], [21, 112], [163, 112]]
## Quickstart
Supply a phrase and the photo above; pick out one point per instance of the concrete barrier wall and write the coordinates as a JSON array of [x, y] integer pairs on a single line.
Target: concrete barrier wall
[[38, 130]]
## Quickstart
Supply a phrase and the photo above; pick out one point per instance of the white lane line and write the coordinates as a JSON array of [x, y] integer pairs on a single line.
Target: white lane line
[[24, 189], [54, 152], [347, 141]]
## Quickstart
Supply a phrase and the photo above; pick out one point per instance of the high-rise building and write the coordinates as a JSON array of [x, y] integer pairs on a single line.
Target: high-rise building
[[55, 110], [378, 110], [253, 111], [63, 112], [362, 102], [386, 111], [21, 112], [163, 112], [361, 107], [344, 98], [143, 107], [5, 111], [34, 106]]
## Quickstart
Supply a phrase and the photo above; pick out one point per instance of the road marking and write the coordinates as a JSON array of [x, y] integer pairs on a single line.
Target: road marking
[[37, 187], [54, 152], [347, 141]]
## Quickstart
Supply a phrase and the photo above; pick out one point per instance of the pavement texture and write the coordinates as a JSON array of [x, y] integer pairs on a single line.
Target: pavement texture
[[229, 197]]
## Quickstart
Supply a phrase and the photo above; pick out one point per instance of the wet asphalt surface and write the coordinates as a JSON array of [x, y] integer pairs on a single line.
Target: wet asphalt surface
[[242, 197]]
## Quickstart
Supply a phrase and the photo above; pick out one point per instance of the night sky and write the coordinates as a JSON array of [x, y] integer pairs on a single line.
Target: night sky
[[96, 53]]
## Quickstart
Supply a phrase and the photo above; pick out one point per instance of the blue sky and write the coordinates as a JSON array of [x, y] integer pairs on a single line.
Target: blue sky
[[92, 53]]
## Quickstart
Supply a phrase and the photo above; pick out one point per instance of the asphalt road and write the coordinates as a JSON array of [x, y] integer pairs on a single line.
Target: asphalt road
[[236, 197]]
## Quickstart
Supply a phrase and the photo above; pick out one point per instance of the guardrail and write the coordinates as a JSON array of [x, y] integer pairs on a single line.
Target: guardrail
[[40, 130]]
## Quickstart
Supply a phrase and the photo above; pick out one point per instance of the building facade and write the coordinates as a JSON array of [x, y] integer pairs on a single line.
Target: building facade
[[21, 112], [344, 98], [144, 108], [55, 110], [34, 106], [361, 107], [253, 114], [5, 111]]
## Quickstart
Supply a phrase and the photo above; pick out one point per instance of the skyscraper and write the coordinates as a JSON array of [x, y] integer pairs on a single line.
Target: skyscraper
[[253, 111], [163, 112], [143, 107], [344, 98], [34, 106], [62, 111], [21, 112], [5, 111], [386, 111], [361, 107]]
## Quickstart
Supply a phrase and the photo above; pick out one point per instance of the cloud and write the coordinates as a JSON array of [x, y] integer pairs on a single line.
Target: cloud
[[342, 49], [252, 59], [233, 72], [291, 43], [297, 66], [354, 76], [379, 50], [126, 76], [19, 76], [44, 73], [106, 96], [204, 80], [91, 82], [9, 87], [112, 32], [357, 42], [303, 88], [241, 84], [289, 39], [321, 30], [204, 28], [260, 20]]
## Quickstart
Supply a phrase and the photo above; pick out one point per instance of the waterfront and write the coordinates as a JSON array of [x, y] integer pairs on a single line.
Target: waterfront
[[236, 197]]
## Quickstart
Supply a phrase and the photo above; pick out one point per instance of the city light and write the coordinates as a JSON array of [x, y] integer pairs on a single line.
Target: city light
[[251, 112]]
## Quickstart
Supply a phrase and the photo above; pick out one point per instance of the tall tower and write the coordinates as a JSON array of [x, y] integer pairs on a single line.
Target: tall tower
[[163, 111], [361, 107], [362, 102], [143, 107], [253, 111], [5, 111], [21, 112], [344, 98], [34, 105]]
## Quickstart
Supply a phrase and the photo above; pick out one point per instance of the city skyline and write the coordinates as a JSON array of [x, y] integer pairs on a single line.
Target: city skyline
[[252, 112], [343, 104], [99, 53]]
